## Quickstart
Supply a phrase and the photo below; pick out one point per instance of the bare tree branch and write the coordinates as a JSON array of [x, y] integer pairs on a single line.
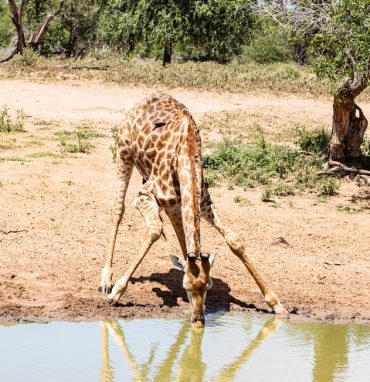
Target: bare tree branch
[[36, 40], [12, 54]]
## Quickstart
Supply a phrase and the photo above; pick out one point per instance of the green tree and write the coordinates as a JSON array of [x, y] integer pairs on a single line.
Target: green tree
[[339, 45], [269, 43], [220, 28], [30, 36], [213, 29], [6, 27]]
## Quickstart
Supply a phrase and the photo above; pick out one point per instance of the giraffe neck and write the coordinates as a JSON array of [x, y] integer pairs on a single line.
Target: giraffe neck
[[190, 177]]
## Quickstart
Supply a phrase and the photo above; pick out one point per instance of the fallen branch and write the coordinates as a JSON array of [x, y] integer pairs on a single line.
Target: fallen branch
[[13, 231], [14, 52], [81, 67], [306, 153], [337, 168]]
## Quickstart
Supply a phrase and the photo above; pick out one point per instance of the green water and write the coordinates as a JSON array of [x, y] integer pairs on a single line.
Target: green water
[[231, 348]]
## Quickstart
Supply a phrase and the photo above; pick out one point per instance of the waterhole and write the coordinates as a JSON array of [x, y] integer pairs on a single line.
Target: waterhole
[[241, 347]]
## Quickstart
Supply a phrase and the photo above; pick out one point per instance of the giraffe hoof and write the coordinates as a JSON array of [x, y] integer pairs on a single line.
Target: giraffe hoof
[[105, 289], [113, 301], [280, 310]]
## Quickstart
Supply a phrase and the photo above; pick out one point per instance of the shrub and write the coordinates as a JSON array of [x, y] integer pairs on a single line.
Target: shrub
[[7, 125], [266, 195], [251, 165], [28, 58], [365, 148], [81, 146], [315, 141], [270, 45], [328, 187], [279, 167]]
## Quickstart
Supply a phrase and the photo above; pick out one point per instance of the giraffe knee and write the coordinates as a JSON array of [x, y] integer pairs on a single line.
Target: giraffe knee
[[235, 243], [155, 232]]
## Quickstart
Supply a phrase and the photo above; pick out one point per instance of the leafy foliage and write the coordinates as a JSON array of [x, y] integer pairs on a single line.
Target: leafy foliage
[[6, 26], [270, 43], [8, 124], [215, 29], [346, 37], [313, 140], [262, 164]]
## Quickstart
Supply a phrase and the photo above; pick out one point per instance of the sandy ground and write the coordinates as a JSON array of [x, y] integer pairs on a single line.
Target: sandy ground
[[54, 221]]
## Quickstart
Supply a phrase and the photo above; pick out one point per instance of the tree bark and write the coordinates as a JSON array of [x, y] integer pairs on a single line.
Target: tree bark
[[349, 125], [167, 54], [16, 17], [349, 122], [300, 52]]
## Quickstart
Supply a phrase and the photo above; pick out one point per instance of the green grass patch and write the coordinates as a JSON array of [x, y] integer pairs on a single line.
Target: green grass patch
[[69, 182], [278, 167], [45, 154], [348, 209], [242, 201], [277, 77], [75, 141], [315, 141], [9, 124], [33, 142], [328, 186], [13, 159], [8, 143]]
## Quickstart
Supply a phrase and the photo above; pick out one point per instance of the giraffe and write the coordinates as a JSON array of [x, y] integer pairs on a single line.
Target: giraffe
[[159, 137]]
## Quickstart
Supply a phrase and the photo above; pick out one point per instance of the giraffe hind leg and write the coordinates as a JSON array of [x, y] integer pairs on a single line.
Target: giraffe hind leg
[[234, 242], [125, 166]]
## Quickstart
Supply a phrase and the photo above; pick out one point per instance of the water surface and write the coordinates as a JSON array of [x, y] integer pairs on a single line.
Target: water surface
[[241, 347]]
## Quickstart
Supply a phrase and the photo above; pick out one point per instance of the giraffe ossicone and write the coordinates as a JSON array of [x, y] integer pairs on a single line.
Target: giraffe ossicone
[[159, 137]]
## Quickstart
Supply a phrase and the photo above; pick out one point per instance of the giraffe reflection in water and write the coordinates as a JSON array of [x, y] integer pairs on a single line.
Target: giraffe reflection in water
[[330, 345], [190, 366]]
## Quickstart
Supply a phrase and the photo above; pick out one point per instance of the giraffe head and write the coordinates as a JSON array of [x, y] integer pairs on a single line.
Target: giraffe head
[[197, 281]]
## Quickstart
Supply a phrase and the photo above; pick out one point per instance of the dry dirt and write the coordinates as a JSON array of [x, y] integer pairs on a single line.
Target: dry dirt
[[54, 220]]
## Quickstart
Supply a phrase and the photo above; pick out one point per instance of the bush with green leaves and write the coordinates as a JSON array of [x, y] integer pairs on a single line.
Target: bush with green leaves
[[75, 142], [6, 27], [269, 44], [280, 167], [315, 141], [328, 187], [214, 29], [8, 124]]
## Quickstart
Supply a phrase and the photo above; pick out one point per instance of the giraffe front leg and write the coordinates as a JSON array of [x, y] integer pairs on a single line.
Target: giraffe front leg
[[124, 170], [150, 211], [234, 242]]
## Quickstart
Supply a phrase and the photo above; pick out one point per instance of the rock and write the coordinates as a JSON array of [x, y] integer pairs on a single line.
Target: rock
[[279, 240]]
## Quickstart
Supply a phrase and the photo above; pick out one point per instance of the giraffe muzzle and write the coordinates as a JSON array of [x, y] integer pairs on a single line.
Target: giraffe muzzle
[[197, 321]]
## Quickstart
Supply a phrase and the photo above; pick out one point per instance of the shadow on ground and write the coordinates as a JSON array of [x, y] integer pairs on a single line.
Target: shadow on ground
[[218, 298]]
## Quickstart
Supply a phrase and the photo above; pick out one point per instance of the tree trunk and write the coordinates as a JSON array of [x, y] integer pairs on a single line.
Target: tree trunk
[[349, 125], [167, 54], [300, 52], [16, 17], [349, 122], [34, 40]]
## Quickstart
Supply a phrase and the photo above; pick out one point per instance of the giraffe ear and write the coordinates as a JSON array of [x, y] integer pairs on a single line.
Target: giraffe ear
[[212, 259], [178, 263]]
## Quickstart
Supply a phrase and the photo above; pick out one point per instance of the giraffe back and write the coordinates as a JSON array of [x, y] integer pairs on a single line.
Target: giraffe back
[[152, 131]]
